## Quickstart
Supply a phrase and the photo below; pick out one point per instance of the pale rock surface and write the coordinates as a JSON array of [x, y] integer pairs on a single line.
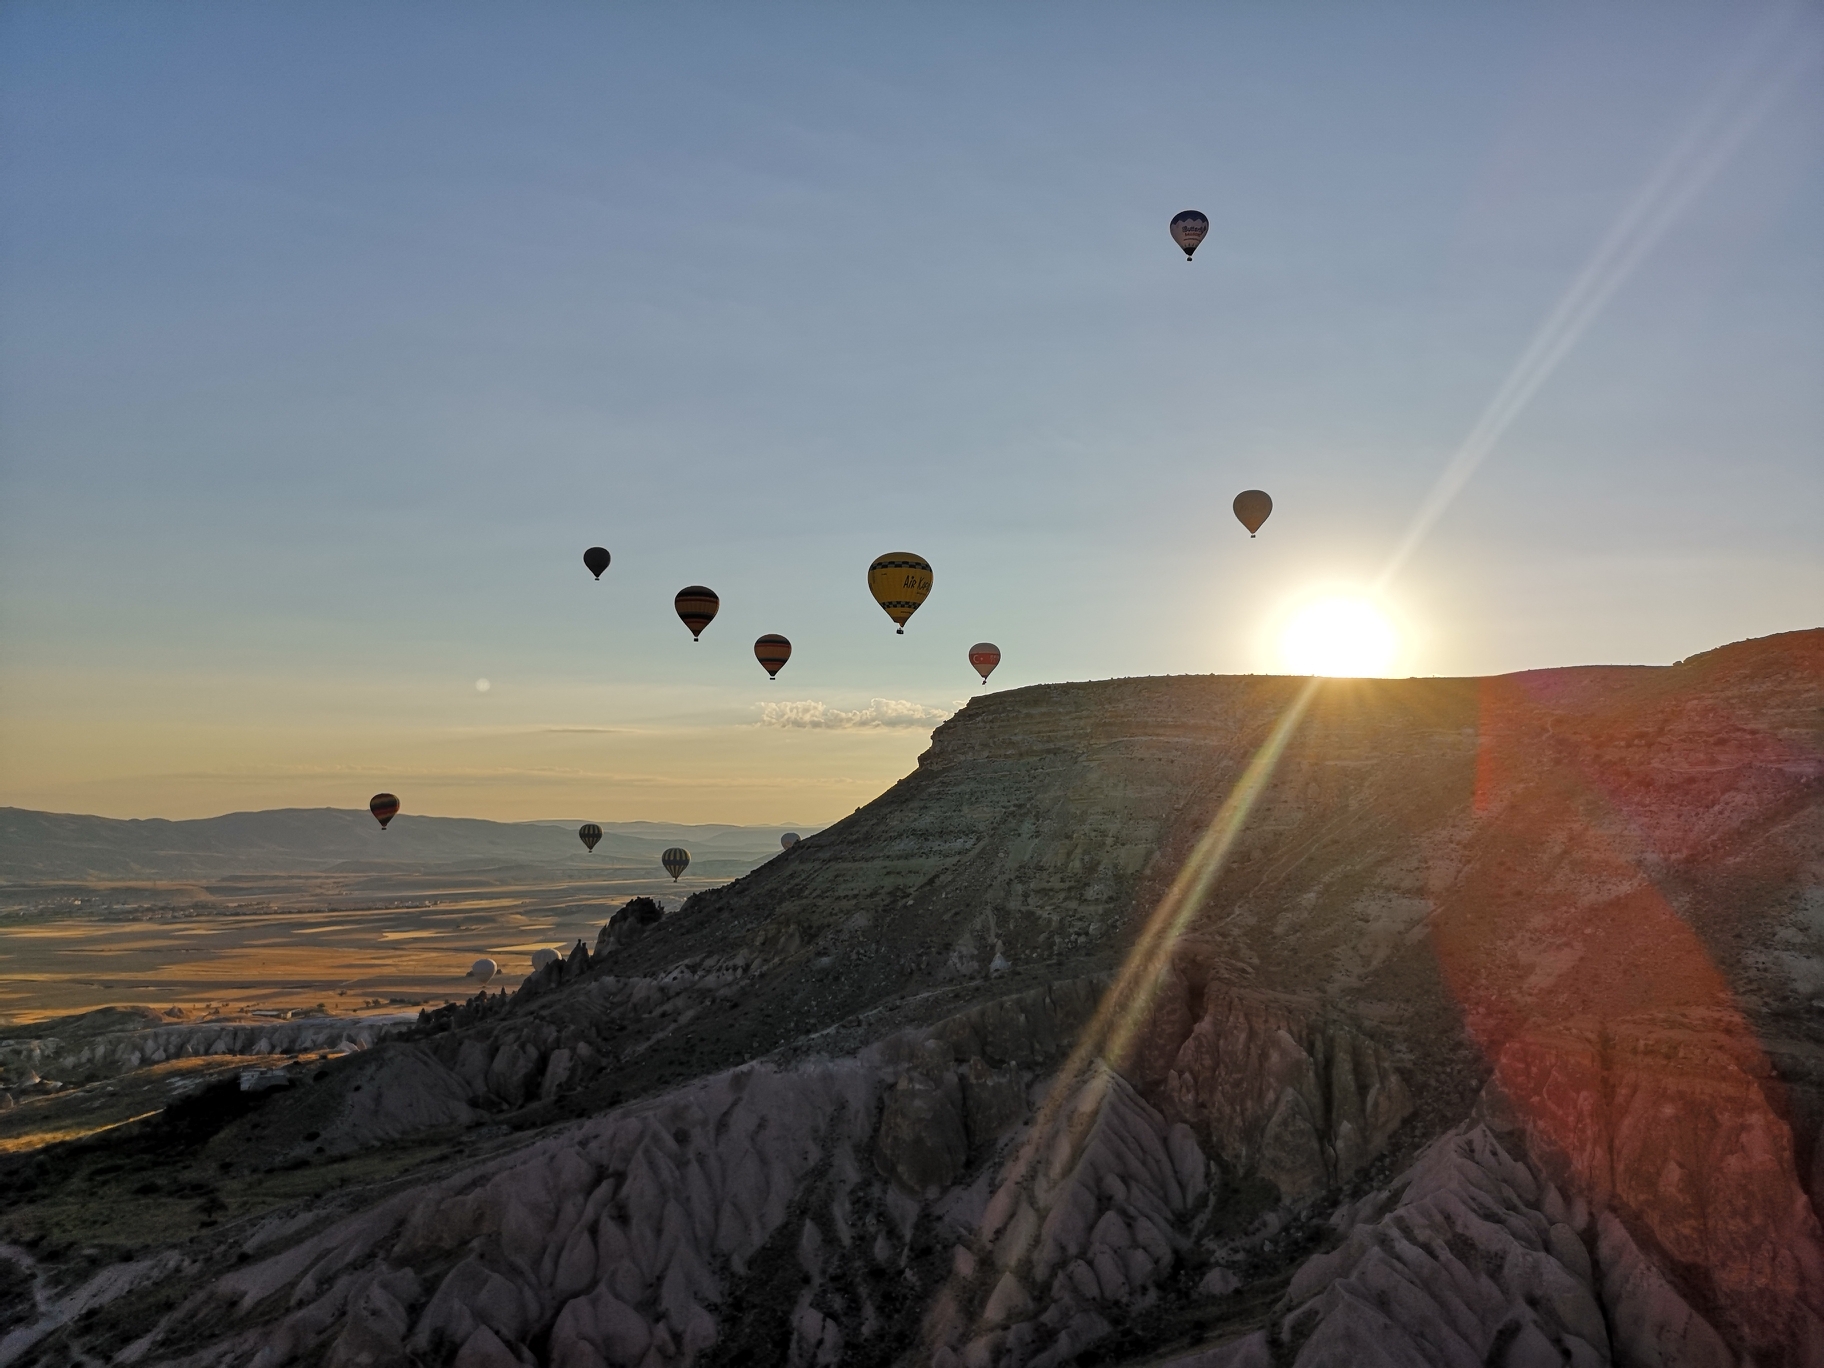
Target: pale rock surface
[[1460, 1271], [1304, 1101], [87, 1058], [1604, 883], [1664, 1119]]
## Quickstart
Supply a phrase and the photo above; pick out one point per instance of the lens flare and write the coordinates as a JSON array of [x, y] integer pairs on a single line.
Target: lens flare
[[1339, 636]]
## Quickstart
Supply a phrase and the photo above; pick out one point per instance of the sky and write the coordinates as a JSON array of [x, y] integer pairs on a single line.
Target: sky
[[331, 335]]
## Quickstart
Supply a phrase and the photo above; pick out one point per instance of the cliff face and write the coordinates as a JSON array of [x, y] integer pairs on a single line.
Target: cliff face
[[1492, 1038]]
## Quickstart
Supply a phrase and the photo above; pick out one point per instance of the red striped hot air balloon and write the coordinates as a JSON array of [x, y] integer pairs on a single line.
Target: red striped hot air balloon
[[676, 860], [984, 655], [697, 607], [772, 651], [385, 807], [589, 833]]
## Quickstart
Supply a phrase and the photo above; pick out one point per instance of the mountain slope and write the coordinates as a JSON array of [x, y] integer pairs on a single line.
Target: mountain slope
[[1486, 1035]]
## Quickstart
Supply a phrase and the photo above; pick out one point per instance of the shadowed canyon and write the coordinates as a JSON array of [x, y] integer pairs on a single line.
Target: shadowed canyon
[[1220, 1022]]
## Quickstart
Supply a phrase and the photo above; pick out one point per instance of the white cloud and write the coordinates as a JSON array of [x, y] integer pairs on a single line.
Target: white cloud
[[880, 713]]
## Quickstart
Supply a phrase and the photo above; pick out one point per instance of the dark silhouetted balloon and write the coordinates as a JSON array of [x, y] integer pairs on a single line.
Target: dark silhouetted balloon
[[385, 807], [483, 969], [676, 861], [590, 834], [1188, 229], [596, 558], [697, 607], [772, 651], [1252, 506], [787, 841], [984, 655], [900, 581]]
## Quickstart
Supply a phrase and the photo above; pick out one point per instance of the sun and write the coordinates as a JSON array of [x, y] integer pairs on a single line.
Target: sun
[[1339, 635]]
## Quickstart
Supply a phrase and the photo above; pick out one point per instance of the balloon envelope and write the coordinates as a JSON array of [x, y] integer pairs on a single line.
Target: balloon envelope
[[676, 861], [385, 807], [984, 655], [590, 834], [787, 841], [772, 651], [1188, 229], [697, 607], [900, 581], [1252, 507], [596, 558], [483, 969], [540, 958]]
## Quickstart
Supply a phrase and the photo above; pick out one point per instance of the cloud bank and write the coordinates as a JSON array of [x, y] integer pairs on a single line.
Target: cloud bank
[[880, 714]]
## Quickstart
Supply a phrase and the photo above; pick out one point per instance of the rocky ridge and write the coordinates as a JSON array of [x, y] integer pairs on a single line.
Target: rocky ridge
[[1491, 1042]]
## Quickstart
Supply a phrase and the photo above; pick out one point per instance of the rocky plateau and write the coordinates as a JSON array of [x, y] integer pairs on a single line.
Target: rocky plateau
[[1210, 1022]]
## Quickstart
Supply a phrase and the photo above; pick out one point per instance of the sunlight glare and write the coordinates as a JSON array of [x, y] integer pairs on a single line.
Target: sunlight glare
[[1339, 636]]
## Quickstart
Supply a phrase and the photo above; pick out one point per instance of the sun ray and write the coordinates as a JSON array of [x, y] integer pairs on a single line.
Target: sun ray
[[1128, 1001]]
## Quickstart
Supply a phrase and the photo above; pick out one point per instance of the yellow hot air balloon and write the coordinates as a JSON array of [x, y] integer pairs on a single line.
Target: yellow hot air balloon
[[900, 581]]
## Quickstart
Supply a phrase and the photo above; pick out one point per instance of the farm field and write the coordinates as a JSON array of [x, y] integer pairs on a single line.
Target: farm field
[[347, 944]]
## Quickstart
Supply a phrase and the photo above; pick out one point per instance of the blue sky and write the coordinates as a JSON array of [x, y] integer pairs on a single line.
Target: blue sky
[[330, 335]]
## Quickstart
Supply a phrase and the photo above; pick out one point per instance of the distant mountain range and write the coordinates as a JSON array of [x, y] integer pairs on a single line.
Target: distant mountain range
[[39, 846]]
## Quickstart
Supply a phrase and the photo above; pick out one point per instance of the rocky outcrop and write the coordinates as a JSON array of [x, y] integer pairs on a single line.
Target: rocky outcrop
[[1090, 1215], [610, 1243], [1304, 1102], [85, 1059], [946, 1086], [1466, 1259], [1664, 1120], [629, 923]]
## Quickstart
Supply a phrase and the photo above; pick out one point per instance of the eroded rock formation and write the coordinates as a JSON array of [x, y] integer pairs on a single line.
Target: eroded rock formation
[[1492, 1040]]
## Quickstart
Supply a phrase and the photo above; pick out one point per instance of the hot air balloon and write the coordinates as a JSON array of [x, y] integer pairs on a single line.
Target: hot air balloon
[[676, 861], [984, 655], [596, 558], [697, 607], [483, 969], [787, 841], [590, 834], [772, 651], [1252, 507], [1188, 230], [385, 807], [542, 957], [900, 581]]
